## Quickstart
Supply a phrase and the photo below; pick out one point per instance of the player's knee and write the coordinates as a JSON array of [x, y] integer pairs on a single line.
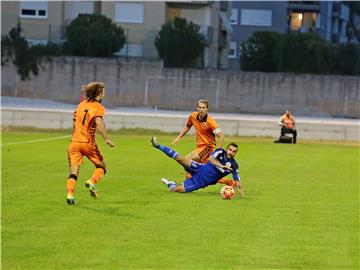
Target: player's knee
[[73, 176], [178, 189], [179, 158], [101, 166], [193, 156]]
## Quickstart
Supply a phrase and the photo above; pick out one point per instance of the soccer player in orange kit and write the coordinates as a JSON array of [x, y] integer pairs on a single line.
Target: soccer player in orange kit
[[88, 118], [207, 130]]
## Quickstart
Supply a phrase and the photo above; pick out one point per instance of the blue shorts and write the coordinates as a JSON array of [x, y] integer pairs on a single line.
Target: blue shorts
[[198, 179]]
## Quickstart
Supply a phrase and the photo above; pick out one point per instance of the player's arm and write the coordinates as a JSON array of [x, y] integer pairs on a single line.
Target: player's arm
[[236, 177], [181, 134], [294, 122], [239, 188], [101, 129], [281, 121], [218, 164], [219, 137]]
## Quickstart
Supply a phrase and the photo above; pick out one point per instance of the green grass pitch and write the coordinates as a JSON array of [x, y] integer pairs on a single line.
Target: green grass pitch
[[301, 209]]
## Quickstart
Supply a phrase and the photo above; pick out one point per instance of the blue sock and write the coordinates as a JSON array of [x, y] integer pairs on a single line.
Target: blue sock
[[171, 186], [168, 151]]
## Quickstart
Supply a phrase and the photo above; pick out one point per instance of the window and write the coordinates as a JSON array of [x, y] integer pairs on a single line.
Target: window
[[126, 12], [33, 9], [303, 22], [42, 13], [318, 20], [256, 17], [234, 16], [29, 12], [33, 42], [74, 8], [295, 21], [132, 50], [232, 50]]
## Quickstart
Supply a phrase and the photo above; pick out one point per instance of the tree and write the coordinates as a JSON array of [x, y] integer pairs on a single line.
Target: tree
[[93, 35], [305, 53], [258, 53], [294, 52], [179, 43], [346, 59], [26, 58]]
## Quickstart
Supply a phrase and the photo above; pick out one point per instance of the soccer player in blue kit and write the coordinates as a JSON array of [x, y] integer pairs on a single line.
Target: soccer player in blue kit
[[220, 164]]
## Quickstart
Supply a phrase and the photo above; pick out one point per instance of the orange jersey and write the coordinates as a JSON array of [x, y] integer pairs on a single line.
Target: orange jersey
[[289, 122], [205, 129], [84, 121]]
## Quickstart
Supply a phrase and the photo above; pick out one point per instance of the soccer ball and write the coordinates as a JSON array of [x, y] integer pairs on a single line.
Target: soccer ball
[[227, 192]]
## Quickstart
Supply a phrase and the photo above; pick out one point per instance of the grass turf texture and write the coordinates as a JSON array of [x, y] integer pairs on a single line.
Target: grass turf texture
[[301, 209]]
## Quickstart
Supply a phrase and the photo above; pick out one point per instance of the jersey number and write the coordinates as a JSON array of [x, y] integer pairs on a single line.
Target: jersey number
[[84, 119]]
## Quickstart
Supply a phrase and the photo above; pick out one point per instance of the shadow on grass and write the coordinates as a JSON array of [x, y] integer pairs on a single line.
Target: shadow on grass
[[110, 211], [216, 195]]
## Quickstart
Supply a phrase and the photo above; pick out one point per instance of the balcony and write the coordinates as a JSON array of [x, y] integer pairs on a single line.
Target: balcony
[[341, 11], [304, 6], [207, 31], [222, 39], [225, 5], [189, 2]]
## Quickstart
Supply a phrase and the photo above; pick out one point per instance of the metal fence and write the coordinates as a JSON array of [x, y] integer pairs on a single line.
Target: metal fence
[[138, 44], [34, 31]]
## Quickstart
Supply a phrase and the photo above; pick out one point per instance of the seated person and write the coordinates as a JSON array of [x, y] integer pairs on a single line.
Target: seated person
[[287, 123]]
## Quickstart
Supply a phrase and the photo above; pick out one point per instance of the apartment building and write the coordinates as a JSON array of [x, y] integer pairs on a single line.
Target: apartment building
[[328, 19], [44, 21]]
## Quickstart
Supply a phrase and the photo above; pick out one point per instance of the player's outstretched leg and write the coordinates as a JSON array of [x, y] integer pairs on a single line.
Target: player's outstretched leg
[[183, 161], [154, 142], [170, 184], [166, 150]]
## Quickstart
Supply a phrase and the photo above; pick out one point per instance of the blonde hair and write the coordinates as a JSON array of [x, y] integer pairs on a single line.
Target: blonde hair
[[93, 89], [204, 101]]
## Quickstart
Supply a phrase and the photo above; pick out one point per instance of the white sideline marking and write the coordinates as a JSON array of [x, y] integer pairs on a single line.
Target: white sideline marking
[[37, 140]]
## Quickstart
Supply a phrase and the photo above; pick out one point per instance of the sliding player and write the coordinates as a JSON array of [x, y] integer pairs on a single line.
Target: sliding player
[[220, 163]]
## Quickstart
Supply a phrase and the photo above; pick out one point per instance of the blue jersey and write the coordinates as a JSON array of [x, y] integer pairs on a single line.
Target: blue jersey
[[208, 174], [220, 155]]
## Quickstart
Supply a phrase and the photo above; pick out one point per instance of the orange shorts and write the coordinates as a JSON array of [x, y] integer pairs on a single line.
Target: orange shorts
[[204, 152], [77, 151]]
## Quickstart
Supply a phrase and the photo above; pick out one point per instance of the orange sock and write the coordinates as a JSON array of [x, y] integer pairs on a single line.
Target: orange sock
[[70, 185], [97, 175], [225, 181]]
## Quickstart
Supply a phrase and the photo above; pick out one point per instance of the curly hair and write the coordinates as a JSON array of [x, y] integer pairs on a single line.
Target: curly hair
[[93, 89]]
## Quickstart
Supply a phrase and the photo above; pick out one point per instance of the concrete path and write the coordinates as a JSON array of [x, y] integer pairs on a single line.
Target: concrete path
[[52, 114], [28, 103]]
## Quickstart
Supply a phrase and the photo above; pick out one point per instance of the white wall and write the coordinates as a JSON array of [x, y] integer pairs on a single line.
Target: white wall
[[337, 130]]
